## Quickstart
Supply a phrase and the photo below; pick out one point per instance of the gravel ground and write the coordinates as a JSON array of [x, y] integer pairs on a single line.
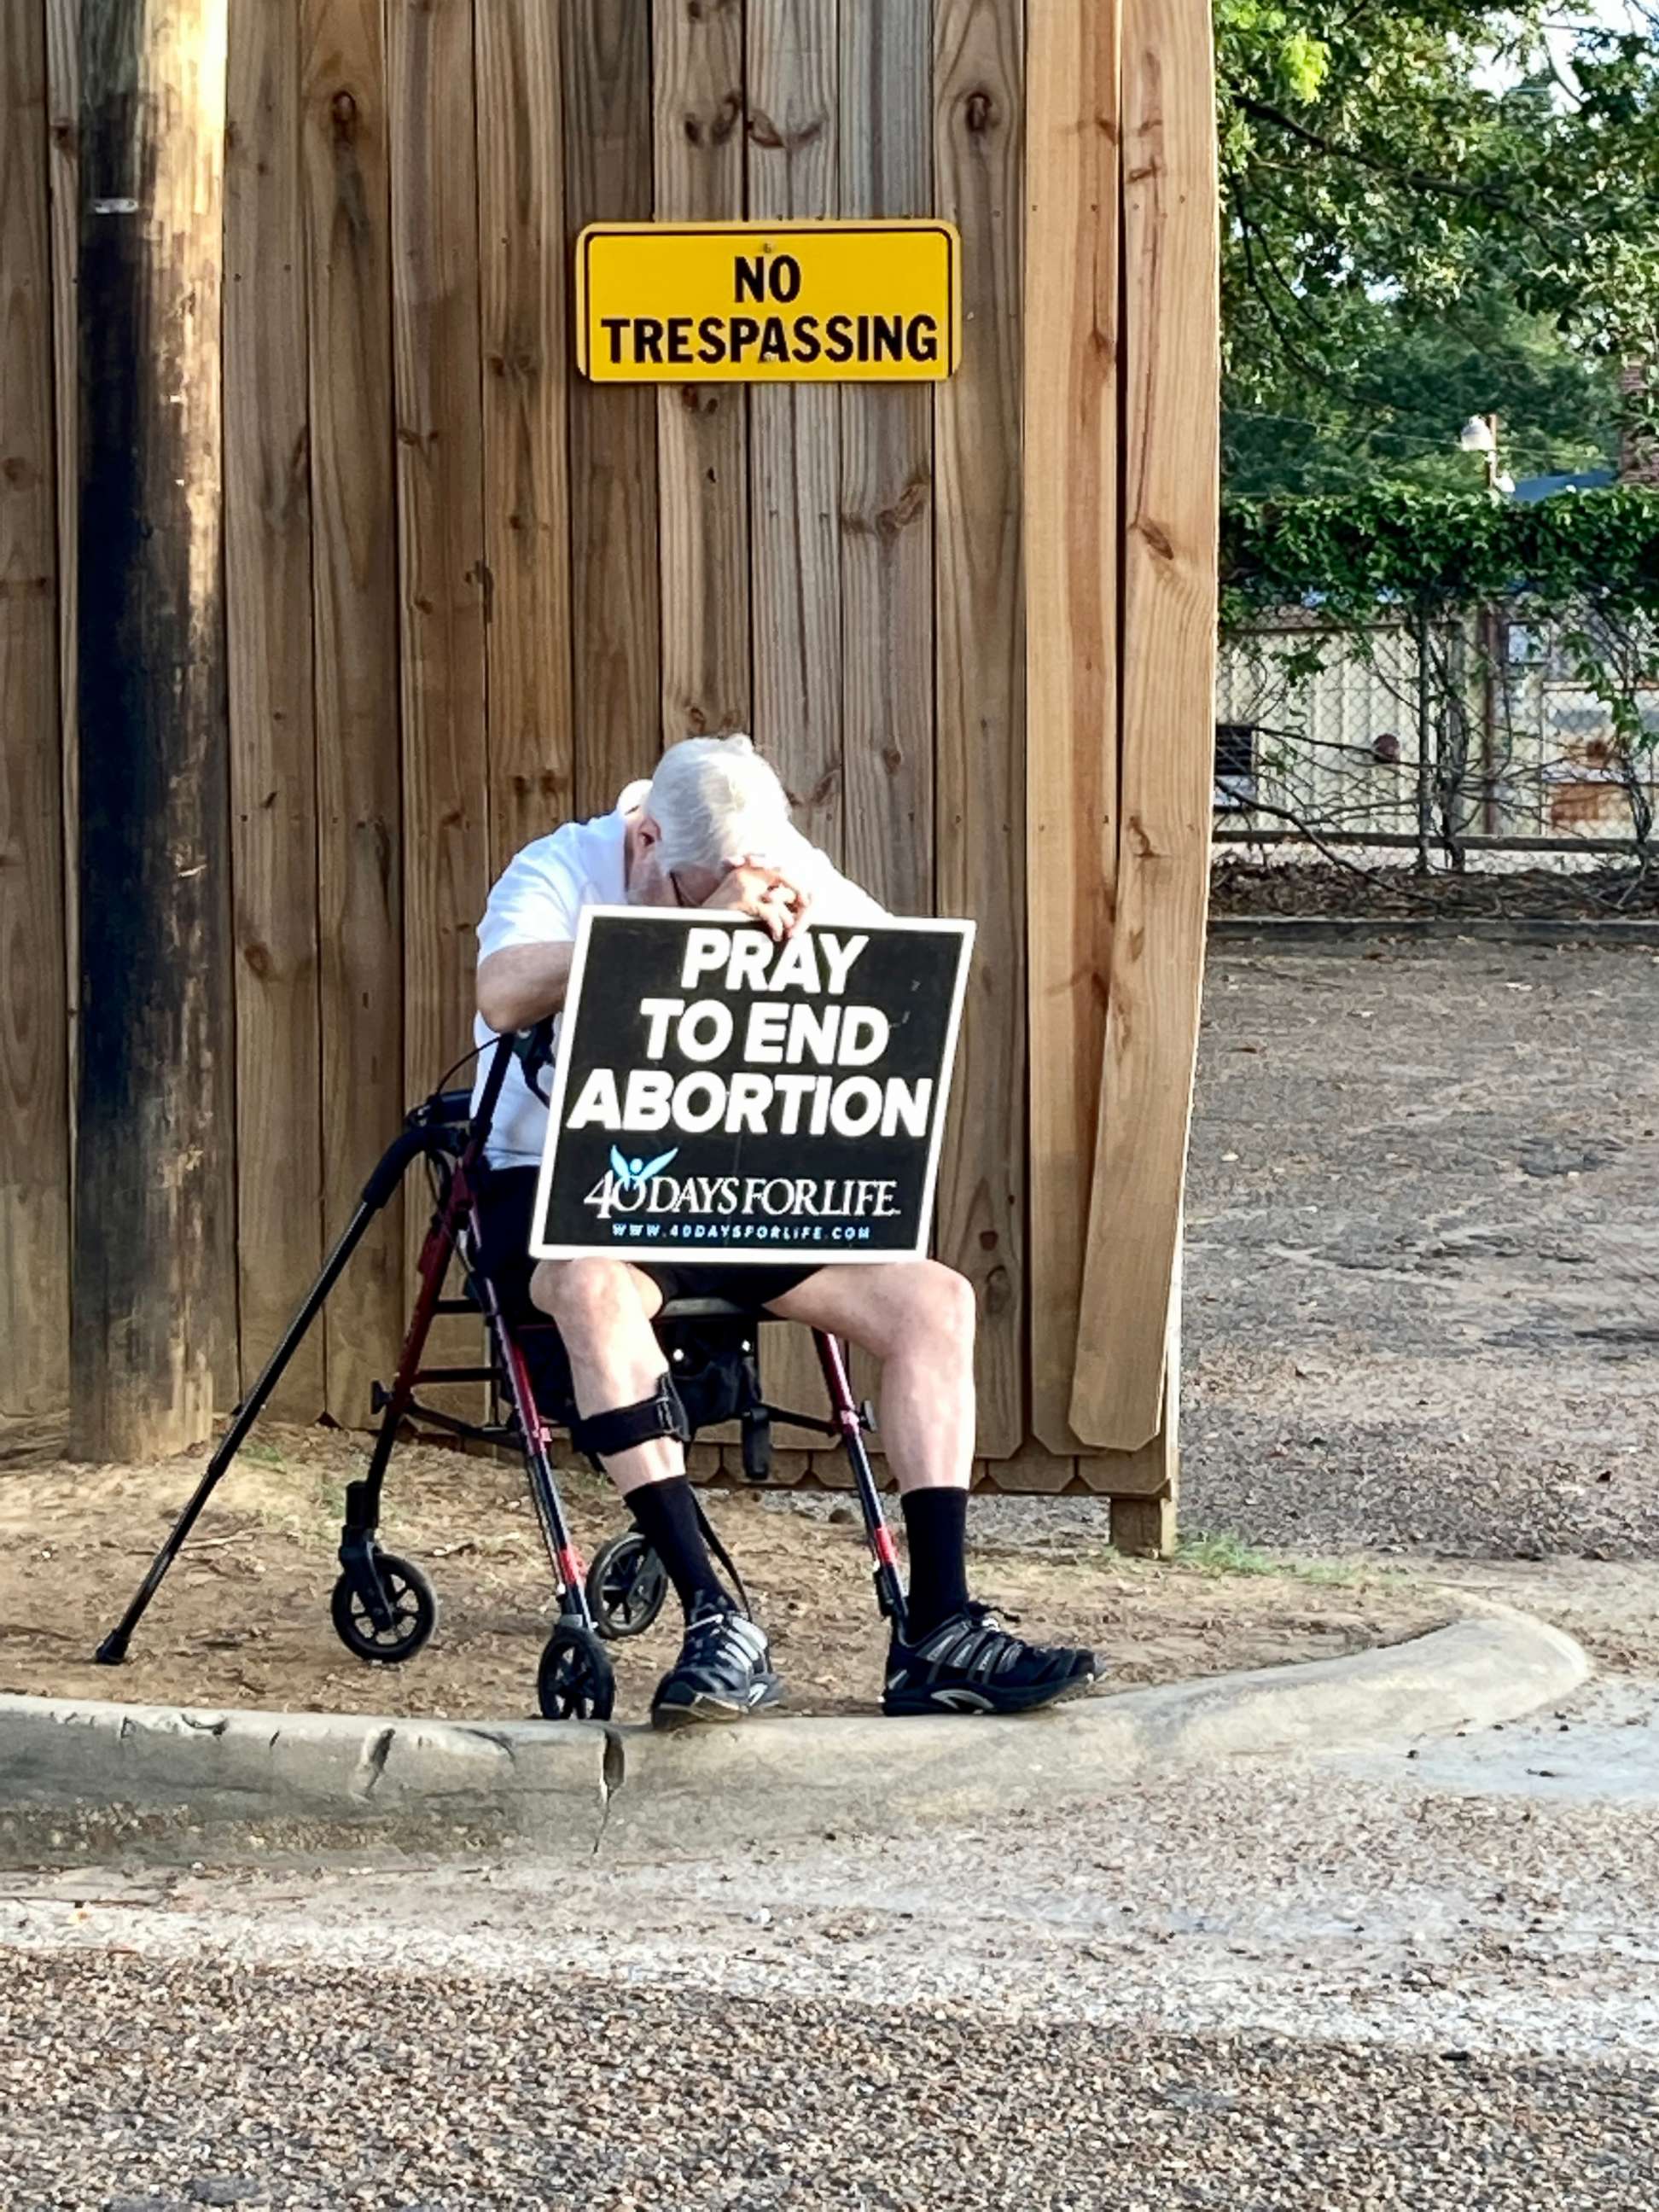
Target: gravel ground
[[319, 2088], [1423, 1257]]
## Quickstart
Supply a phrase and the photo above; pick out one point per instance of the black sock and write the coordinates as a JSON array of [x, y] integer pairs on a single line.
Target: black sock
[[665, 1514], [936, 1525]]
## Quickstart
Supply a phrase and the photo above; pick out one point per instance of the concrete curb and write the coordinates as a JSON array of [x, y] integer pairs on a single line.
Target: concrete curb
[[807, 1778], [79, 1776], [1308, 932], [79, 1779]]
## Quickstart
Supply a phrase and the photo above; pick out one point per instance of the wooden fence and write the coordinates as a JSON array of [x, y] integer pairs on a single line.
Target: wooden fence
[[468, 594]]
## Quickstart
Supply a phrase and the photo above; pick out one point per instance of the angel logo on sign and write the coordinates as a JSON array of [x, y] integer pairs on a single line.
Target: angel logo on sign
[[626, 1181], [639, 1172]]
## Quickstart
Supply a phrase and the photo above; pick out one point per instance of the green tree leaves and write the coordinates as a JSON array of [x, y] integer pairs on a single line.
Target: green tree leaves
[[1413, 190]]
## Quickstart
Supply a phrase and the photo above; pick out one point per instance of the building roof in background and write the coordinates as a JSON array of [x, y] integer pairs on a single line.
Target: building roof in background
[[1528, 489]]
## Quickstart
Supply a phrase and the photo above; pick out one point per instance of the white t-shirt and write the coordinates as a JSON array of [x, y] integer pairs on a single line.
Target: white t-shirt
[[537, 901]]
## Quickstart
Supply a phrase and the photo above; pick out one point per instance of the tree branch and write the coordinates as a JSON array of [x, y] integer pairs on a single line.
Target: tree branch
[[1419, 179]]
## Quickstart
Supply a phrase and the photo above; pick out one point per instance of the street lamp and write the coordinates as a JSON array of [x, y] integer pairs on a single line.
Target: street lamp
[[1479, 436]]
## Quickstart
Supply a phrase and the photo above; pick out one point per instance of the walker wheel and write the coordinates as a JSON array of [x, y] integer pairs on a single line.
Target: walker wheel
[[414, 1605], [626, 1586], [574, 1681]]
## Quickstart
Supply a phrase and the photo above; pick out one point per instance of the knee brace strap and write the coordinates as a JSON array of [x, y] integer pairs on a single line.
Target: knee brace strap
[[624, 1426]]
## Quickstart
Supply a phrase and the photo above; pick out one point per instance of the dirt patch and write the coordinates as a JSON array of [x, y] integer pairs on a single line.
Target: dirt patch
[[1486, 890], [243, 1618]]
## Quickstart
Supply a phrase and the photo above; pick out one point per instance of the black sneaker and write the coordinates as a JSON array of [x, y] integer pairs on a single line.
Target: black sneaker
[[970, 1664], [724, 1672]]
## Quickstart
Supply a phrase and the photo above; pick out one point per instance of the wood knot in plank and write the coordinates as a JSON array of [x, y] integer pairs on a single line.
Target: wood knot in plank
[[715, 130], [765, 133], [979, 111], [1157, 537], [910, 507], [1144, 847], [343, 110], [258, 957]]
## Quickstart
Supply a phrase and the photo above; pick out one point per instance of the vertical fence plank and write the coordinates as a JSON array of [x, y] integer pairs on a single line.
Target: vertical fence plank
[[435, 308], [794, 431], [613, 428], [435, 329], [1072, 645], [34, 1163], [793, 92], [702, 429], [979, 152], [526, 356], [360, 900], [1142, 1485], [273, 763], [886, 162], [886, 482], [152, 1290], [63, 174], [1170, 516], [702, 445]]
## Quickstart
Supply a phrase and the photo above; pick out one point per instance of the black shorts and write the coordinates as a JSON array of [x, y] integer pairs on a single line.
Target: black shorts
[[507, 1202]]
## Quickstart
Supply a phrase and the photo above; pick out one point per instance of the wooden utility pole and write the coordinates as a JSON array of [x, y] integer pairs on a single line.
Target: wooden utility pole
[[33, 1021], [153, 1288]]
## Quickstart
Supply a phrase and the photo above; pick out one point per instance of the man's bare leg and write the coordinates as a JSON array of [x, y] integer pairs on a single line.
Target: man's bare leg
[[917, 1318], [604, 1309]]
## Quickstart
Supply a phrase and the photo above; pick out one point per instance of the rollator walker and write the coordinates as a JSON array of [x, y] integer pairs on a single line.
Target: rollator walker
[[384, 1607]]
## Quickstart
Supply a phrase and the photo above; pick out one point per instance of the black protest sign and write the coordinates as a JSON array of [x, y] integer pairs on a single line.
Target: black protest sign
[[720, 1096]]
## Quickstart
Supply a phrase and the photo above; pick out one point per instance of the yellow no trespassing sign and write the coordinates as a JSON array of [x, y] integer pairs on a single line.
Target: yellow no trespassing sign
[[768, 303]]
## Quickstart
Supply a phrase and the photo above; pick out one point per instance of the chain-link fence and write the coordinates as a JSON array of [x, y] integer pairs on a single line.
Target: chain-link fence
[[1433, 736]]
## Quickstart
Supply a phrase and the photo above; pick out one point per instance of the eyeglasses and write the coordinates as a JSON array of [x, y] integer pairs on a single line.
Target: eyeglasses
[[682, 897]]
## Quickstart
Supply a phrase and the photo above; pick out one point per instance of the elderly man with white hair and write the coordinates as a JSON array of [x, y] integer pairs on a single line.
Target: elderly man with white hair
[[711, 829]]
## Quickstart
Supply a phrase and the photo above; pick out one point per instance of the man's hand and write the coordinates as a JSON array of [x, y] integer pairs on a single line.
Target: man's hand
[[752, 888]]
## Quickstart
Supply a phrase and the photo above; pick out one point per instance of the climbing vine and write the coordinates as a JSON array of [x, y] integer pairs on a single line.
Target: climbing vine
[[1353, 556]]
